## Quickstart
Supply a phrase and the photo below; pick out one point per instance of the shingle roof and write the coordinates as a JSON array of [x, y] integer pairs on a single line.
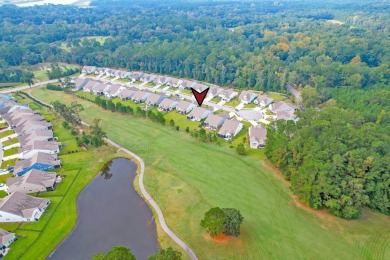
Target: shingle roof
[[258, 134], [167, 103], [198, 112], [214, 120], [229, 127], [183, 105], [21, 204], [37, 177]]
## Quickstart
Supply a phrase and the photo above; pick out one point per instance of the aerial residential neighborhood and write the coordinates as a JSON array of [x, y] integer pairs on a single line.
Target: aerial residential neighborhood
[[196, 129], [34, 152], [168, 94]]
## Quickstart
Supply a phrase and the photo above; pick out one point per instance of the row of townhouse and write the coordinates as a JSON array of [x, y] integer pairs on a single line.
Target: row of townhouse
[[37, 152], [281, 109], [245, 97]]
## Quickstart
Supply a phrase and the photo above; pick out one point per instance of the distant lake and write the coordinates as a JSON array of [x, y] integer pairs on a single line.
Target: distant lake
[[110, 212]]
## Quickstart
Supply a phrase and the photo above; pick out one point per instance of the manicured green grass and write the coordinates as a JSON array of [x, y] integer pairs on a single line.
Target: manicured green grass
[[86, 95], [3, 194], [123, 80], [181, 121], [26, 239], [250, 105], [40, 75], [3, 124], [6, 133], [186, 91], [8, 163], [3, 178], [216, 100], [38, 239], [274, 227], [233, 103], [150, 85], [137, 82], [277, 96], [11, 151], [10, 142]]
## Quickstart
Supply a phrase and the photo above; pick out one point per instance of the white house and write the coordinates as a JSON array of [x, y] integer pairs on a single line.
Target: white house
[[184, 107], [263, 101], [198, 114], [167, 105], [257, 136], [227, 95], [20, 207], [247, 96], [230, 129], [30, 150]]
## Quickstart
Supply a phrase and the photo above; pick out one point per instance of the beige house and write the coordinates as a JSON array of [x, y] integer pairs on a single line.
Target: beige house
[[20, 207], [32, 181]]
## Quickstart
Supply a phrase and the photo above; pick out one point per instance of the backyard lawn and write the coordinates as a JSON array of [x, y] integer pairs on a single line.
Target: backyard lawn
[[215, 100], [198, 176], [8, 163], [150, 85], [277, 96], [11, 151], [10, 142], [233, 103], [6, 133], [250, 105]]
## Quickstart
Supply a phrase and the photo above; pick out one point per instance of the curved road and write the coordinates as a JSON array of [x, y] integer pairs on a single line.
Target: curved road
[[146, 195]]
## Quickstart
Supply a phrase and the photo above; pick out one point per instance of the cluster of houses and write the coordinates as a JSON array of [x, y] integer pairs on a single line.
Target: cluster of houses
[[37, 155], [227, 128]]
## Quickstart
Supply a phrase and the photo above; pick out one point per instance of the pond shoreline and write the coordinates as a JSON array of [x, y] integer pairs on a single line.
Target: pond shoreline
[[106, 167]]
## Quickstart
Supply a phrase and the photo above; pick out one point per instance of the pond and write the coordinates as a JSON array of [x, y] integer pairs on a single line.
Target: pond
[[110, 212]]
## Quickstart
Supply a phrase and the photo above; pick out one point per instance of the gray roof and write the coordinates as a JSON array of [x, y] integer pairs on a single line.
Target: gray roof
[[258, 134], [199, 112], [35, 135], [228, 93], [215, 91], [40, 157], [286, 115], [5, 236], [113, 89], [154, 98], [20, 120], [183, 105], [250, 115], [199, 87], [31, 123], [246, 95], [264, 98], [214, 121], [32, 177], [140, 95], [21, 204], [229, 127], [99, 87], [126, 93], [168, 103], [40, 145], [282, 106]]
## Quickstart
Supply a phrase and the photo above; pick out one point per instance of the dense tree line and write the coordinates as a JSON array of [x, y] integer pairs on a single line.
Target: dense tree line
[[335, 158], [191, 39]]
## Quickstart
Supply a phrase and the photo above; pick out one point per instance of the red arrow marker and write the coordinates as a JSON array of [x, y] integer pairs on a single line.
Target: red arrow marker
[[200, 96]]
